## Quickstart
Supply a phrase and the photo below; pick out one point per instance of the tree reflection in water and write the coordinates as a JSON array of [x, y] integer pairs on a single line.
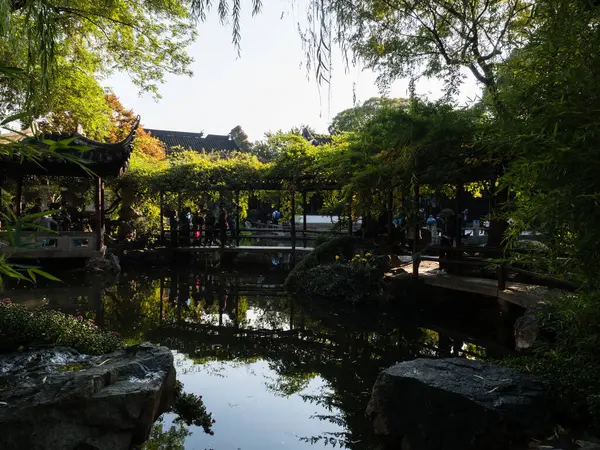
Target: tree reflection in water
[[242, 318]]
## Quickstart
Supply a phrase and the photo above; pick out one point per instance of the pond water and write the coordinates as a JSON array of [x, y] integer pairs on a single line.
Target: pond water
[[275, 372]]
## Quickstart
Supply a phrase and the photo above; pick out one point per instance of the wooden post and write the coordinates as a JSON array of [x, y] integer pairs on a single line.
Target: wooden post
[[237, 218], [350, 228], [293, 230], [102, 213], [1, 184], [304, 208], [161, 197], [417, 230], [162, 293], [501, 273], [458, 238], [19, 197], [98, 208], [390, 209]]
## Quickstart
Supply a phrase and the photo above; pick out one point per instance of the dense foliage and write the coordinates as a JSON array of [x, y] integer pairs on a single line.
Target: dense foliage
[[343, 281], [566, 356], [20, 327], [323, 254]]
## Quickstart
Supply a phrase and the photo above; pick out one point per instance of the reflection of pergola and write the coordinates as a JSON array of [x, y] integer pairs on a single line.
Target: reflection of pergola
[[98, 160]]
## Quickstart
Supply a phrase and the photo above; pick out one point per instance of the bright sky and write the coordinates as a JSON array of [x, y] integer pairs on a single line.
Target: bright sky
[[266, 89]]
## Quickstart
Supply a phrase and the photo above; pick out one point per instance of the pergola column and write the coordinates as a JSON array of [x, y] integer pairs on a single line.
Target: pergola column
[[1, 185], [19, 197], [417, 230], [459, 194], [304, 208], [390, 208], [350, 228], [237, 218], [99, 207], [103, 218], [293, 230], [161, 201]]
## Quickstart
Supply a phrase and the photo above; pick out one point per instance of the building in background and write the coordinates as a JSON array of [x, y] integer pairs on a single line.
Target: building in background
[[183, 140]]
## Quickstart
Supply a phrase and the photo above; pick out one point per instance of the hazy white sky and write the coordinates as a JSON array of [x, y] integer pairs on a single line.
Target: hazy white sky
[[266, 89]]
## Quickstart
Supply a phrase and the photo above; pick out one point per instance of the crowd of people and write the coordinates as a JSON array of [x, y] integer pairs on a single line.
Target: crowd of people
[[202, 228], [442, 228], [60, 216]]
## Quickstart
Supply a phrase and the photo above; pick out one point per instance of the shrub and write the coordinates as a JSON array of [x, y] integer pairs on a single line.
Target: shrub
[[567, 355], [350, 282], [323, 254], [20, 327]]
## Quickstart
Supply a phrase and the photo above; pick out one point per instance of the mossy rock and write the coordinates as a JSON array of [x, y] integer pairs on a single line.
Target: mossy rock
[[344, 282], [326, 253]]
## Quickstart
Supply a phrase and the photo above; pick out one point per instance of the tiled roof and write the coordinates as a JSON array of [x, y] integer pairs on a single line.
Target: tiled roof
[[102, 158], [194, 141]]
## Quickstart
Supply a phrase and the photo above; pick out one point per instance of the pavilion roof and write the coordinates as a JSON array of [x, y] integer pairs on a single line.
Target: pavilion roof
[[101, 158]]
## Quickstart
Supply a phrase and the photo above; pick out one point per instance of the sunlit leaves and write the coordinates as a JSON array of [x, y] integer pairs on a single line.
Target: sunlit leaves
[[424, 37], [550, 90]]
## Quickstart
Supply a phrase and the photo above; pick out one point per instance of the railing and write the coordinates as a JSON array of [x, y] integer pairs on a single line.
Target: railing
[[62, 244], [266, 232], [456, 258]]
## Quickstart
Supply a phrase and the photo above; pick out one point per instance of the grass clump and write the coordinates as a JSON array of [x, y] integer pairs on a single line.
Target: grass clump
[[22, 328]]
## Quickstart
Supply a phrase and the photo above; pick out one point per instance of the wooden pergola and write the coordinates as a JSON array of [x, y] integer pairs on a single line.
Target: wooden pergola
[[303, 187]]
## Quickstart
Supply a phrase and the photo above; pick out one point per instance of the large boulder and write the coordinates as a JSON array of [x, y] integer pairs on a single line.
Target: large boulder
[[447, 404], [57, 399]]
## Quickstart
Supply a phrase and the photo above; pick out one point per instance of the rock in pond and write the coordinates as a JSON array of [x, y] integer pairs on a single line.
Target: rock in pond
[[454, 403], [57, 399], [526, 329], [108, 263]]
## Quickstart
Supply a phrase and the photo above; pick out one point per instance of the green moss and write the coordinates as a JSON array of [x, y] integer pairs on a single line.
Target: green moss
[[74, 367]]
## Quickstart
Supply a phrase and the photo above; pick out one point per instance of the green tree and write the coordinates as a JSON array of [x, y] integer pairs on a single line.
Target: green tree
[[551, 89], [52, 38], [354, 119], [241, 138]]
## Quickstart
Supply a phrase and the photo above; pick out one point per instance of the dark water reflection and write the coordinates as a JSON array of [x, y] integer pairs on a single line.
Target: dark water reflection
[[274, 371]]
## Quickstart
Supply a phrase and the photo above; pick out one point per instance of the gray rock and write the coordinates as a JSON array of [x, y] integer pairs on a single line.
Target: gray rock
[[101, 403], [108, 263], [448, 404], [590, 446], [526, 330]]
